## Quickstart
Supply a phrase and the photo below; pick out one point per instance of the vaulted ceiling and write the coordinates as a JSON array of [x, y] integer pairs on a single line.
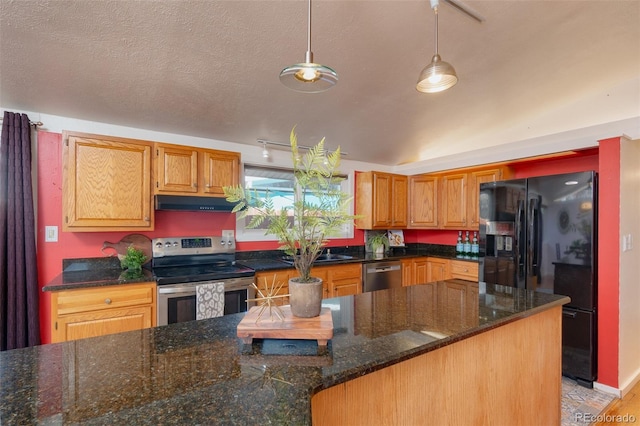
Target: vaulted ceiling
[[209, 68]]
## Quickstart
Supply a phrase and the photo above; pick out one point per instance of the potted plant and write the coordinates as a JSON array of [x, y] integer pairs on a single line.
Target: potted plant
[[133, 259], [319, 210], [379, 243]]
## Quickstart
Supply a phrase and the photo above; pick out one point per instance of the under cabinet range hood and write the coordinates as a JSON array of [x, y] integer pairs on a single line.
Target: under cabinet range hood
[[193, 203]]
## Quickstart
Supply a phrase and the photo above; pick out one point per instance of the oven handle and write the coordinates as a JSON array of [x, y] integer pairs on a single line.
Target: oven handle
[[176, 290]]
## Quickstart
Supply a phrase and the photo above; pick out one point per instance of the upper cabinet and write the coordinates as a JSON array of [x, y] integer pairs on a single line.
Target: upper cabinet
[[106, 183], [181, 170], [449, 200], [423, 207], [454, 194], [381, 200]]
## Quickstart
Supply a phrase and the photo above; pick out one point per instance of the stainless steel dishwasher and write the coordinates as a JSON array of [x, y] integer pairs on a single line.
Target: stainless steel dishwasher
[[381, 275]]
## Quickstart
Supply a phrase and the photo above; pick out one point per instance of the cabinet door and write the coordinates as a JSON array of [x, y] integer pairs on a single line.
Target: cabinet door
[[176, 169], [220, 169], [475, 179], [421, 271], [436, 269], [407, 272], [266, 280], [423, 201], [106, 184], [399, 200], [99, 323], [345, 280], [454, 201], [382, 188]]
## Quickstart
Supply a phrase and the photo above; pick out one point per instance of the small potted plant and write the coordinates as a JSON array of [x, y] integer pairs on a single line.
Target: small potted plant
[[302, 228], [133, 259], [379, 243]]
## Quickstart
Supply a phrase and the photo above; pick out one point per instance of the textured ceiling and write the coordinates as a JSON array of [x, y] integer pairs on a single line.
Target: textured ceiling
[[210, 68]]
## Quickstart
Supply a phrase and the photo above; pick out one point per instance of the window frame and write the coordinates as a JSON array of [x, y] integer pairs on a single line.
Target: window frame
[[244, 234]]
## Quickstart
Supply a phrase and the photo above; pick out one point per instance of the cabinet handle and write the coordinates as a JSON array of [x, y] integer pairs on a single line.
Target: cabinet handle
[[146, 218], [208, 186], [107, 301], [195, 185]]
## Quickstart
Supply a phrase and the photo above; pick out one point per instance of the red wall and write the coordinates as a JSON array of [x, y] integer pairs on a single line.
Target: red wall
[[609, 262], [88, 244]]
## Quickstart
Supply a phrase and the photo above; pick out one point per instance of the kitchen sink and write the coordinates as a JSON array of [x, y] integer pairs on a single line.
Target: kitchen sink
[[330, 257], [325, 257]]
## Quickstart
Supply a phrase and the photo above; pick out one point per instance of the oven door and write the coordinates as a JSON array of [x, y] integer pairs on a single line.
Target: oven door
[[177, 302]]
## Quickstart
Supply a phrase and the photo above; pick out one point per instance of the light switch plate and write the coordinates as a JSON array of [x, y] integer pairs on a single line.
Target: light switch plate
[[50, 234], [227, 234]]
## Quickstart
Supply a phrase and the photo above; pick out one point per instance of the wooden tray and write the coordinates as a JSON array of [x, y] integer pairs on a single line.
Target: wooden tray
[[319, 328]]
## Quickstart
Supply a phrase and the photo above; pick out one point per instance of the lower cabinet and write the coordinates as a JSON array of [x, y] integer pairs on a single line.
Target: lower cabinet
[[421, 270], [338, 280], [463, 270], [90, 312]]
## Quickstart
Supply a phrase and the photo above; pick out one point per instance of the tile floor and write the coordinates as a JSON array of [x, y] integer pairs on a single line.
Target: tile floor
[[580, 403]]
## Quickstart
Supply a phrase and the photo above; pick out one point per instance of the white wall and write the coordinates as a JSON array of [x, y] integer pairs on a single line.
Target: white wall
[[629, 350]]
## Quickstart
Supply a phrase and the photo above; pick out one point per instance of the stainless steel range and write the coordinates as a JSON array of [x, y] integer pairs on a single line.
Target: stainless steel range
[[180, 264]]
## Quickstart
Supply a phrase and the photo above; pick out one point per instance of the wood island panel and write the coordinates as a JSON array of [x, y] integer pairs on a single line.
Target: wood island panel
[[508, 375]]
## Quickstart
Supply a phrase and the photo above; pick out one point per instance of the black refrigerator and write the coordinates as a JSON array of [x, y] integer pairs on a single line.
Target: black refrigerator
[[539, 234]]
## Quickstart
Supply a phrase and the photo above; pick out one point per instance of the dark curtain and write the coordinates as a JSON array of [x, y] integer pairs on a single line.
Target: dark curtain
[[19, 323]]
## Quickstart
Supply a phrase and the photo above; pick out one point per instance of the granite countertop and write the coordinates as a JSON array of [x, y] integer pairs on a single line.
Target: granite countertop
[[95, 272], [269, 261], [199, 372]]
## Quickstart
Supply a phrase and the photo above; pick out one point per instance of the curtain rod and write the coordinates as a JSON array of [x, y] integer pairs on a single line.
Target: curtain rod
[[286, 145], [31, 123]]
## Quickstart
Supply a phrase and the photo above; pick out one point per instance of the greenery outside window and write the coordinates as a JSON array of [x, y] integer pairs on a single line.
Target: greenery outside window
[[279, 183]]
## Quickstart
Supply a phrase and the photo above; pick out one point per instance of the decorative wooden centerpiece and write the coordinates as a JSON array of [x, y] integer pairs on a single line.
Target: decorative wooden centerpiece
[[318, 328]]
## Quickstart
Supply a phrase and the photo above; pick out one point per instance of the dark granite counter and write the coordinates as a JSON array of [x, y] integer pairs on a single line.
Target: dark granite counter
[[198, 372], [95, 272]]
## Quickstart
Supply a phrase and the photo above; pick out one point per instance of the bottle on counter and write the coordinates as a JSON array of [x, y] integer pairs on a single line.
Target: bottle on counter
[[467, 247], [459, 246], [475, 247]]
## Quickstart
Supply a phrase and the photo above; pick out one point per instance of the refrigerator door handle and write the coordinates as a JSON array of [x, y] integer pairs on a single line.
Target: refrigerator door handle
[[519, 244], [571, 314]]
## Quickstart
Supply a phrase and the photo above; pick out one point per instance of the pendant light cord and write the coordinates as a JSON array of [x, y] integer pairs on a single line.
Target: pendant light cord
[[435, 9], [309, 55]]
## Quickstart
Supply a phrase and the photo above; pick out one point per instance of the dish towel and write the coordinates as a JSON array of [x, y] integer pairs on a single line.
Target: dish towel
[[209, 300]]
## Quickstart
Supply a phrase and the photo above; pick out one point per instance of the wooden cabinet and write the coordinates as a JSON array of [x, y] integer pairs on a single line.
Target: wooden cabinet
[[423, 207], [183, 170], [475, 179], [273, 279], [414, 271], [338, 280], [96, 311], [381, 200], [344, 280], [463, 270], [106, 184], [454, 200], [437, 269]]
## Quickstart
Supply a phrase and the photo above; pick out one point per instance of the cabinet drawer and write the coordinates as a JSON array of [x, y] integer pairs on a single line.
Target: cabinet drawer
[[353, 270], [464, 270], [99, 298]]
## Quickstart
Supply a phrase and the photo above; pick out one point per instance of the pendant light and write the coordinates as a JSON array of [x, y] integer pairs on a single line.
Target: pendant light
[[438, 75], [308, 77]]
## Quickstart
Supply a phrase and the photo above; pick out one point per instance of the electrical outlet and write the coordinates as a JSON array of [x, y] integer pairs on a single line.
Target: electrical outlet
[[50, 234], [627, 242]]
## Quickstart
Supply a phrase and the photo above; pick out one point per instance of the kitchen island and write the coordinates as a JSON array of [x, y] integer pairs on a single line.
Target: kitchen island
[[444, 352]]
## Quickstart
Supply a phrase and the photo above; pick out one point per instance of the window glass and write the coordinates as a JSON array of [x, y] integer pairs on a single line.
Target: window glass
[[279, 184]]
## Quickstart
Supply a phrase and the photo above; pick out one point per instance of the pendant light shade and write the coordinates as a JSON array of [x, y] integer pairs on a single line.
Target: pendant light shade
[[308, 77], [438, 75]]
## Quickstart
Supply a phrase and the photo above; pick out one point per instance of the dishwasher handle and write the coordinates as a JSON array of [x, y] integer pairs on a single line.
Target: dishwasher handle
[[382, 268]]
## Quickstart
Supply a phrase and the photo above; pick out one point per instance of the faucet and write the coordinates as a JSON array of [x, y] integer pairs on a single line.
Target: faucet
[[328, 252]]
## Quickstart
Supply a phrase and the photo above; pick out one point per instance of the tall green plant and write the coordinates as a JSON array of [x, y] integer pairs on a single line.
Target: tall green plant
[[319, 210]]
